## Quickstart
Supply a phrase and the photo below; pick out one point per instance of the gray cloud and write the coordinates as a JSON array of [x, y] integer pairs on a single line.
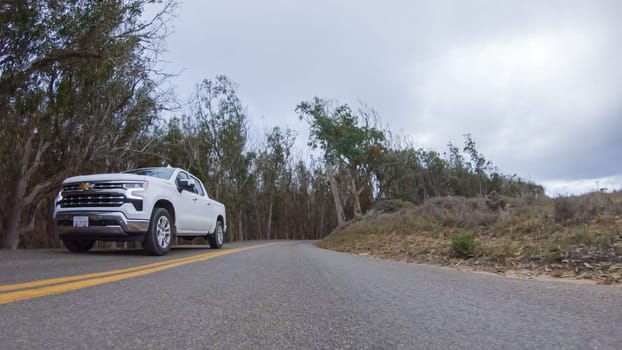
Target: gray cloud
[[535, 83]]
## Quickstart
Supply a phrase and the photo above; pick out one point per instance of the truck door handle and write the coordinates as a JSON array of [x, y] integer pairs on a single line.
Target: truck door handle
[[194, 199]]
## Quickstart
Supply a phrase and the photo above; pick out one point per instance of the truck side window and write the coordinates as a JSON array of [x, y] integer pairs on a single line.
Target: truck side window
[[198, 189]]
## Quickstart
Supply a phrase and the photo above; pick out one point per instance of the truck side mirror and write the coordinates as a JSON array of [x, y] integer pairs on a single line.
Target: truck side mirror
[[186, 184]]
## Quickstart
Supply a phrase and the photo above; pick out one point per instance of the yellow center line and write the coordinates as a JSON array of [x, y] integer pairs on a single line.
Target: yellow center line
[[40, 283], [80, 281]]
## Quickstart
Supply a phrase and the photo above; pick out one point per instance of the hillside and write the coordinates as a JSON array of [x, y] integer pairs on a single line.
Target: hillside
[[577, 237]]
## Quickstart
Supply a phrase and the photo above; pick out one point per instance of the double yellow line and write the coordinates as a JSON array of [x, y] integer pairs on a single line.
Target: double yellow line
[[10, 293]]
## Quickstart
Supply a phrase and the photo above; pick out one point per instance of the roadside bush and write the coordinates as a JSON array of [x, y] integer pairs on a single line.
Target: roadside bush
[[499, 253], [388, 206], [585, 237], [495, 202], [458, 211], [463, 245], [564, 209], [575, 209], [604, 240], [600, 240]]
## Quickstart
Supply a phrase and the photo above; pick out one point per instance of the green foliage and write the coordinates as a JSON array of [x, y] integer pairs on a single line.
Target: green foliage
[[268, 194], [339, 134], [350, 142], [594, 239], [417, 174], [463, 245]]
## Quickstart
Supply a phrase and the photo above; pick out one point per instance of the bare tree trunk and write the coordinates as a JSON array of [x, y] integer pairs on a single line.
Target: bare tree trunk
[[20, 200], [308, 220], [268, 234], [286, 225], [240, 232], [12, 235], [355, 196], [334, 188], [479, 180], [260, 236], [321, 228]]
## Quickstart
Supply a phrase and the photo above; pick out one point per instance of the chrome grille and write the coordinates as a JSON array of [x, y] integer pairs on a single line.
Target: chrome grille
[[92, 200]]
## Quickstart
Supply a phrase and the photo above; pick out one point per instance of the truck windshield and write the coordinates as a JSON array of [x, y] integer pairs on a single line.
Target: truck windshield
[[162, 173]]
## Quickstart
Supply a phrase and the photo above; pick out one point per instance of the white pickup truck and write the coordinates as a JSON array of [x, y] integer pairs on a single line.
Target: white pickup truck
[[149, 205]]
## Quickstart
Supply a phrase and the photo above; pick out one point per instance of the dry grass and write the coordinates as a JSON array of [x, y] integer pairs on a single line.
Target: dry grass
[[576, 236]]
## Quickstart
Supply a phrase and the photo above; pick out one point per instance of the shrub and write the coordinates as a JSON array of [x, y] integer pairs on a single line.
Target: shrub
[[600, 240], [577, 209], [564, 209], [585, 237], [604, 241], [457, 211], [500, 253], [388, 206], [463, 245], [495, 202]]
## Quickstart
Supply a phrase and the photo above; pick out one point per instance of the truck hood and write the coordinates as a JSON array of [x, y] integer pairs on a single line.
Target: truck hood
[[109, 177]]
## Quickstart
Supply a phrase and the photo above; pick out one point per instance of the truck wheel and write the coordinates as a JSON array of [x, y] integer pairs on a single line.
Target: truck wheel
[[78, 245], [159, 238], [217, 238]]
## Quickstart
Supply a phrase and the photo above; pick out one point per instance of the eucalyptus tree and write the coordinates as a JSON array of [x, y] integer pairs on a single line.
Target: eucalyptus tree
[[478, 164], [219, 134], [76, 94], [272, 163], [346, 142]]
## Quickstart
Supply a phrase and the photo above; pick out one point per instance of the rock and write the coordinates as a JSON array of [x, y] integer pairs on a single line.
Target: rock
[[615, 267], [557, 274]]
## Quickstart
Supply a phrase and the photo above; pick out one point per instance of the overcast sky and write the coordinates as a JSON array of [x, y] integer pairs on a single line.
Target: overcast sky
[[537, 83]]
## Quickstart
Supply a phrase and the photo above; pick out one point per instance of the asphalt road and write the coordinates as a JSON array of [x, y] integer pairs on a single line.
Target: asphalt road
[[292, 295]]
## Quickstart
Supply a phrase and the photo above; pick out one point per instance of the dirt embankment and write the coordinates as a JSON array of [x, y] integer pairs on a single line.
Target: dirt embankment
[[572, 238]]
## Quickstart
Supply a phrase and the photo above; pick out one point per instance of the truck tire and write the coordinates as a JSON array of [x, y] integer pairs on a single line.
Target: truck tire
[[78, 245], [217, 238], [159, 237]]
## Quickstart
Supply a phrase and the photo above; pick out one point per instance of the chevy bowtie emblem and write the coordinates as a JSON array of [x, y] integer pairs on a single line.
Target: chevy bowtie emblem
[[86, 186]]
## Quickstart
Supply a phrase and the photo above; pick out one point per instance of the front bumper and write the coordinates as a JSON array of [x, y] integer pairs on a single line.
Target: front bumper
[[100, 223]]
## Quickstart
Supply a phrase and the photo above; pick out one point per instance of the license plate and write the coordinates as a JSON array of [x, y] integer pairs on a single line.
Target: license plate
[[80, 221]]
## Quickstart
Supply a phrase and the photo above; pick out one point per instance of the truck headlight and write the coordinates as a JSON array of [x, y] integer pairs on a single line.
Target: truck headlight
[[136, 185], [134, 190]]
